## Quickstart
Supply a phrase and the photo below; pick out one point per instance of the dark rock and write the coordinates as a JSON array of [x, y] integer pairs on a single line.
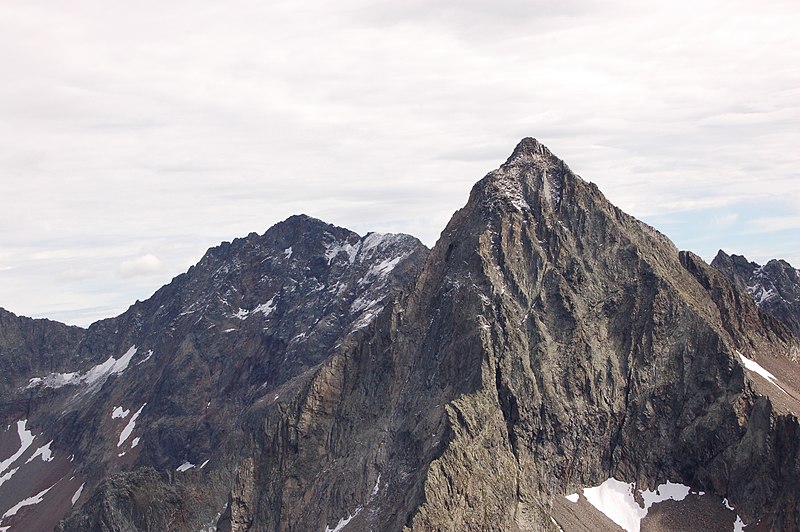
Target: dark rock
[[775, 287]]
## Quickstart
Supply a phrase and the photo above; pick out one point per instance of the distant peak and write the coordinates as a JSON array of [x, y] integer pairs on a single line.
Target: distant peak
[[530, 150], [722, 256]]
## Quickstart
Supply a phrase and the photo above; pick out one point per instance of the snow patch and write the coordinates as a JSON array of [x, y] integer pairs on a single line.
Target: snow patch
[[130, 426], [374, 240], [119, 413], [146, 358], [134, 442], [335, 248], [110, 367], [8, 475], [94, 377], [616, 500], [266, 308], [77, 494], [54, 380], [26, 438], [754, 366], [44, 452], [241, 314], [288, 252], [186, 466], [30, 501], [203, 464], [727, 504], [572, 498], [343, 522]]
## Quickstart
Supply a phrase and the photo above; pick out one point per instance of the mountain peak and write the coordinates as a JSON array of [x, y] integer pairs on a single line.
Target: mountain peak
[[531, 178], [530, 150]]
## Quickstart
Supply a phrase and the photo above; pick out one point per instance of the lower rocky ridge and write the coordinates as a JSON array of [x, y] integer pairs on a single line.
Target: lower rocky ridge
[[775, 286]]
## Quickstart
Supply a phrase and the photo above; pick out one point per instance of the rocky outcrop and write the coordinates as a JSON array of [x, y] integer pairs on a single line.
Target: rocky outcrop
[[30, 347], [775, 286]]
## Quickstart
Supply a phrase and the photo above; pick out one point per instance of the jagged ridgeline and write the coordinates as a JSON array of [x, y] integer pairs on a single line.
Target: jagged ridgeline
[[551, 364]]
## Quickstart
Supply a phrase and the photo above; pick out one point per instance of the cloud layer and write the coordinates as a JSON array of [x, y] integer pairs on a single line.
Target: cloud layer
[[131, 130]]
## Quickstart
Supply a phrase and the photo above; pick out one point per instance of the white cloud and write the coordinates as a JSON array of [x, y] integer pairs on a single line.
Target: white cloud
[[144, 265], [170, 127]]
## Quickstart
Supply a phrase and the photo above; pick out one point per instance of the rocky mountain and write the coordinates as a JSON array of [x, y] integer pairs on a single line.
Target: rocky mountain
[[775, 286], [551, 364], [141, 416]]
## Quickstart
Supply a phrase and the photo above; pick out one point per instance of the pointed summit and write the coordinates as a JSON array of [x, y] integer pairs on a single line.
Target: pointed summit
[[530, 150], [531, 179]]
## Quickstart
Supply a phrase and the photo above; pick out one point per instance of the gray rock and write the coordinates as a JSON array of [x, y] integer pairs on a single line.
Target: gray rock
[[775, 286]]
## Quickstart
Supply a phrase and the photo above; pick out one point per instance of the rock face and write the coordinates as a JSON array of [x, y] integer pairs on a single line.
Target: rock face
[[310, 379], [775, 286]]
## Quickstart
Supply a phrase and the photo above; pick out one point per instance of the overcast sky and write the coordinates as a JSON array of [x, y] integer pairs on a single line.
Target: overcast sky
[[135, 135]]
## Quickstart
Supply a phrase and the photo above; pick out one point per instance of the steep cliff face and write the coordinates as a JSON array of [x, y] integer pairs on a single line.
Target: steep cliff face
[[775, 286], [146, 411], [30, 346], [550, 342]]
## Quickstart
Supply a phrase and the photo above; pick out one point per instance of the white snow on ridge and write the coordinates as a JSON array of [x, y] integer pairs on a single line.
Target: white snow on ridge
[[288, 252], [26, 438], [381, 270], [94, 377], [373, 240], [334, 248], [126, 432], [241, 314], [754, 366]]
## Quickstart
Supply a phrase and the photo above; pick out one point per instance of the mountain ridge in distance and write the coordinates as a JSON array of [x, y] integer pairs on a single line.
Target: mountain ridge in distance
[[313, 379]]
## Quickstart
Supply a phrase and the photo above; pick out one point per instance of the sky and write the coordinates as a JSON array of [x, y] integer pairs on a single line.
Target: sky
[[136, 135]]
